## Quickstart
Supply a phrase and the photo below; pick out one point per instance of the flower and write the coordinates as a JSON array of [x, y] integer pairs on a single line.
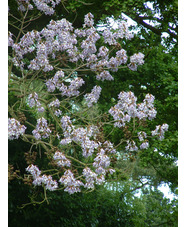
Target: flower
[[131, 146], [42, 6], [88, 20], [15, 129], [33, 102], [49, 183], [142, 135], [105, 75], [135, 60], [102, 160], [93, 96], [90, 178], [160, 131], [34, 170], [42, 130], [62, 160], [127, 108], [71, 184], [144, 145]]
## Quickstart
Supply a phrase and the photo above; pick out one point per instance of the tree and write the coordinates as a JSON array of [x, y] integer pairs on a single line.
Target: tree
[[28, 85]]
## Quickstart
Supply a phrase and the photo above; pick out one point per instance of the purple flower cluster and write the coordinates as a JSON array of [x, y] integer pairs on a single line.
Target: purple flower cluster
[[131, 146], [34, 171], [62, 160], [41, 5], [56, 83], [33, 102], [42, 130], [93, 96], [23, 5], [120, 32], [144, 145], [10, 40], [103, 52], [72, 89], [60, 36], [123, 31], [56, 37], [90, 178], [104, 75], [160, 131], [109, 37], [41, 60], [142, 136], [101, 163], [56, 104], [102, 160], [135, 60], [79, 135], [88, 146], [15, 129], [67, 129], [88, 20], [124, 109], [39, 180], [127, 108], [71, 184], [88, 45], [26, 44], [146, 109], [108, 147]]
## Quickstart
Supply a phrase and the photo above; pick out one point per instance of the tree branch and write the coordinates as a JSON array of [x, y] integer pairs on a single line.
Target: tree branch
[[140, 20]]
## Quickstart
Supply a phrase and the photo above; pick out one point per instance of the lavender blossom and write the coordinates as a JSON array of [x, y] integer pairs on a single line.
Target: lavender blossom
[[90, 178], [55, 103], [105, 75], [62, 160], [103, 52], [34, 171], [42, 130], [131, 146], [10, 40], [71, 184], [135, 60], [42, 6], [142, 136], [48, 182], [144, 145], [33, 102], [160, 131], [122, 56], [88, 20], [93, 96], [101, 160], [15, 129]]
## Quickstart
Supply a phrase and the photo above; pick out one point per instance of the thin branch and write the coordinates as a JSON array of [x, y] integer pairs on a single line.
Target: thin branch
[[140, 20]]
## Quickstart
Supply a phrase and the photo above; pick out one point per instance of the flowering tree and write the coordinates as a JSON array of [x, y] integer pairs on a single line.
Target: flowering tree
[[47, 75]]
